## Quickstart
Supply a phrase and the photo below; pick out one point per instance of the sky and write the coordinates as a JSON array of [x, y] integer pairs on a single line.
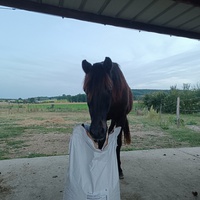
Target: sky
[[41, 55]]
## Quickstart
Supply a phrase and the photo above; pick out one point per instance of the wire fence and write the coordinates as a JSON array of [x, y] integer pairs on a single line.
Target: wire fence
[[177, 107]]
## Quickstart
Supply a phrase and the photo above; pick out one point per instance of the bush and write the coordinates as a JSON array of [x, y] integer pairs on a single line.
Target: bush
[[189, 100]]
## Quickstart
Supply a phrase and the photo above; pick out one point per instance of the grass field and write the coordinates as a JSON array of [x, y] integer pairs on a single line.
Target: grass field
[[44, 129]]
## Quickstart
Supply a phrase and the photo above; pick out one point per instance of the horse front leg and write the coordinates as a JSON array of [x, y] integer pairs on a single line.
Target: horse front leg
[[111, 127]]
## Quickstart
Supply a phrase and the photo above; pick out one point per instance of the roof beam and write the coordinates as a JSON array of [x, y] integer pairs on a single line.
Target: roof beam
[[69, 13]]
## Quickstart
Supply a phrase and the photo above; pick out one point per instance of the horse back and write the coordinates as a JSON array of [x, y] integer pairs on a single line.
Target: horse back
[[121, 94], [122, 101]]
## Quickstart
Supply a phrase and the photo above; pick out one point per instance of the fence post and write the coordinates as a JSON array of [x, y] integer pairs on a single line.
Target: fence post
[[178, 112], [160, 113]]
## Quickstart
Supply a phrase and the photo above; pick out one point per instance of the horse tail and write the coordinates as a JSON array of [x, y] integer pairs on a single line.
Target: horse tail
[[127, 135]]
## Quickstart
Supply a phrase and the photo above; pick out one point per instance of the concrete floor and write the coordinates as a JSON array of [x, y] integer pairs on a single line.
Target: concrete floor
[[166, 174]]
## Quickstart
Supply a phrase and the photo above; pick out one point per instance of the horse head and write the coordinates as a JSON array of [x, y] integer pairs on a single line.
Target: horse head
[[98, 88]]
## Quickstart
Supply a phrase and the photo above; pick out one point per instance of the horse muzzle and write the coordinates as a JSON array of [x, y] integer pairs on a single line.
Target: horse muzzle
[[99, 135]]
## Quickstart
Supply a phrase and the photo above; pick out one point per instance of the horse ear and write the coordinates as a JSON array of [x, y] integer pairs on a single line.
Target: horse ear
[[86, 66], [107, 64]]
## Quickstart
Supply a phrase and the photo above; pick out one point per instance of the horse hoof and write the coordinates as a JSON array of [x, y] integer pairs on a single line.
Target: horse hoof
[[121, 175]]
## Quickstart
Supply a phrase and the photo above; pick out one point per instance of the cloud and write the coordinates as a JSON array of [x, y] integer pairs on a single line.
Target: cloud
[[162, 73]]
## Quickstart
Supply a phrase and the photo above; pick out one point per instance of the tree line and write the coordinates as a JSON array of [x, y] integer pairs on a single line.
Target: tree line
[[161, 100], [137, 95], [71, 98]]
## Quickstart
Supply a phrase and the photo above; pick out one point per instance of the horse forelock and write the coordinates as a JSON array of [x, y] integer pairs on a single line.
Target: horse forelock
[[95, 83]]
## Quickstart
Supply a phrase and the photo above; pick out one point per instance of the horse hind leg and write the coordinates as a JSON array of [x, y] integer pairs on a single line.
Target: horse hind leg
[[119, 144], [127, 135]]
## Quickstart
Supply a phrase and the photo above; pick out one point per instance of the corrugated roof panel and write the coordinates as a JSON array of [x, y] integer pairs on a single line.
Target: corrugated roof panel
[[114, 7], [152, 12], [192, 24], [93, 6], [172, 13], [186, 17], [75, 4], [179, 19], [135, 8]]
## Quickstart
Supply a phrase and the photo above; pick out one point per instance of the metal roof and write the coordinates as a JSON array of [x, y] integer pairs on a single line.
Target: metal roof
[[173, 17]]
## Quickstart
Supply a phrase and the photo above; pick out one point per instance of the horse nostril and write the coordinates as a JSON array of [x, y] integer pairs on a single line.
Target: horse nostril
[[96, 141]]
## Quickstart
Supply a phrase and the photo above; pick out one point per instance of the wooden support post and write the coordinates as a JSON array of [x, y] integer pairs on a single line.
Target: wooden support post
[[178, 112]]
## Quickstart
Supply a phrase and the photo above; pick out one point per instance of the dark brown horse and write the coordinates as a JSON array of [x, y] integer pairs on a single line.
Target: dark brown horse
[[108, 97]]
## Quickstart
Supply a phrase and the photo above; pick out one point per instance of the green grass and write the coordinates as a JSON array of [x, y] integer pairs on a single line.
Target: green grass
[[166, 123], [75, 107], [45, 107], [160, 131], [186, 135], [49, 129], [8, 131]]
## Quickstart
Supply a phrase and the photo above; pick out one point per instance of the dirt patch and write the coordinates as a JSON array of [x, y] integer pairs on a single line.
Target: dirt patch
[[42, 144], [194, 128], [4, 189], [58, 144], [38, 133]]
